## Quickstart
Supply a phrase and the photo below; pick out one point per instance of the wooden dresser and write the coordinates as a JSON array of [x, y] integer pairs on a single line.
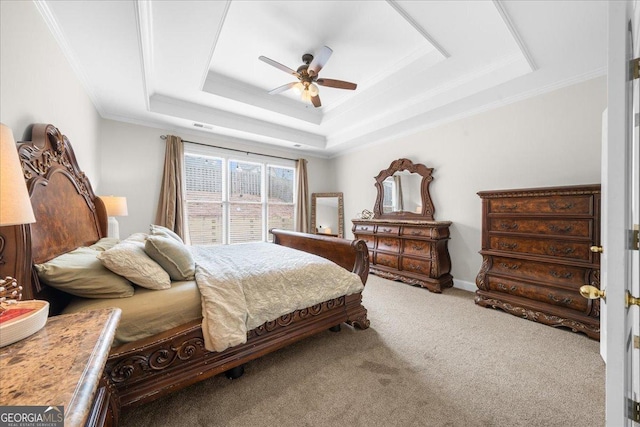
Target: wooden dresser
[[536, 254], [413, 251], [62, 365]]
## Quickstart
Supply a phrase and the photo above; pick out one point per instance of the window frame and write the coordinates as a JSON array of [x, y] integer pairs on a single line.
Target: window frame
[[228, 156]]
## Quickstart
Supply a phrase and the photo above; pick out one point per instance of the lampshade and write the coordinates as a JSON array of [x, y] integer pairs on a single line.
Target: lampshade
[[116, 206], [15, 204]]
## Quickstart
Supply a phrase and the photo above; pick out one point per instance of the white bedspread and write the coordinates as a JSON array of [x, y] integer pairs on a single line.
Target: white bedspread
[[246, 285]]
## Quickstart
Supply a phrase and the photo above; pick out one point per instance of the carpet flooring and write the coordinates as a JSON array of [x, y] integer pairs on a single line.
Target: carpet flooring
[[427, 360]]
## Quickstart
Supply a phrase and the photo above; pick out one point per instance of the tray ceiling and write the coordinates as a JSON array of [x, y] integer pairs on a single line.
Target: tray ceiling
[[193, 65]]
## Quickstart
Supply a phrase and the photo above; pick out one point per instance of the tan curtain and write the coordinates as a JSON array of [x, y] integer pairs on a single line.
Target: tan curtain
[[302, 198], [170, 212]]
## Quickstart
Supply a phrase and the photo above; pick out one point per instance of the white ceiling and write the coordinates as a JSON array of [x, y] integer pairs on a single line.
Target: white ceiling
[[193, 65]]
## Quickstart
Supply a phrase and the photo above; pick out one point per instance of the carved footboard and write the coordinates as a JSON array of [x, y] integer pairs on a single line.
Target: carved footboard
[[148, 369]]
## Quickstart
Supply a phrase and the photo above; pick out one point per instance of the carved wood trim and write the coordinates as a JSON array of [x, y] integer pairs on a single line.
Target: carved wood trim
[[591, 330], [436, 285], [428, 209], [546, 191]]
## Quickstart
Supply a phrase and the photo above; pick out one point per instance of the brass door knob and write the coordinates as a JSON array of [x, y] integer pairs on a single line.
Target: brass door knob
[[591, 292], [631, 300], [596, 249]]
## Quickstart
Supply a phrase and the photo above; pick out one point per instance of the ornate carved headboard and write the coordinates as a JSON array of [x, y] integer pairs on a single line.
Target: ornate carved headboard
[[68, 213]]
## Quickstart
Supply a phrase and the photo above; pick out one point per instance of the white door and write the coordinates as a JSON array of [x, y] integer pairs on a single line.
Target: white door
[[620, 195]]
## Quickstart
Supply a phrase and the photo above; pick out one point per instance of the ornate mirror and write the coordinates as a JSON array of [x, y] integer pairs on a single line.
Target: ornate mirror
[[327, 214], [403, 191]]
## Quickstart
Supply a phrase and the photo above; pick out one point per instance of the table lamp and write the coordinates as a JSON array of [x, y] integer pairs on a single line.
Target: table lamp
[[116, 206], [15, 204]]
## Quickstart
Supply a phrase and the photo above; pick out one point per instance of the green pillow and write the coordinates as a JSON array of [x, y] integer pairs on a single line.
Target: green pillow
[[158, 230], [80, 273], [173, 256], [105, 243]]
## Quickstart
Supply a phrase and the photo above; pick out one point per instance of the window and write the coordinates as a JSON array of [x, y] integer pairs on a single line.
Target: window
[[236, 201]]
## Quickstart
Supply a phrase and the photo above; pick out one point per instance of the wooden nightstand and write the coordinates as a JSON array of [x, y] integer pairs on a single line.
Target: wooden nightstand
[[62, 365]]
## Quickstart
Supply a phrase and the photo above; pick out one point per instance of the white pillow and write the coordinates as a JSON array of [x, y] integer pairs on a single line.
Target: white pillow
[[128, 259]]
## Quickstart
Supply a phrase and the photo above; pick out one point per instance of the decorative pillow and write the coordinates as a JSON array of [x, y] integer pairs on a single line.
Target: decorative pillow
[[173, 256], [128, 259], [80, 273], [104, 243], [158, 230]]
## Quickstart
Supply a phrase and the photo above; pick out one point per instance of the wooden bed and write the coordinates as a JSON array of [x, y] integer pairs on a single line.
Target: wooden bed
[[69, 215]]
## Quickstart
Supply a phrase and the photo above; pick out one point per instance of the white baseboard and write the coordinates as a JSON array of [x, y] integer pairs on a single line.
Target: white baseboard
[[464, 285]]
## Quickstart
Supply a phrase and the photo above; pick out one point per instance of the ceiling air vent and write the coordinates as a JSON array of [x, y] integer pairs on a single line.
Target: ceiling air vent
[[201, 126]]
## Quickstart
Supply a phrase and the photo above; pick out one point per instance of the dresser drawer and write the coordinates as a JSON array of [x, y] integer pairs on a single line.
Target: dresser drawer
[[388, 229], [557, 227], [386, 260], [363, 228], [561, 205], [542, 271], [368, 239], [417, 247], [427, 232], [416, 265], [549, 295], [547, 247], [389, 244]]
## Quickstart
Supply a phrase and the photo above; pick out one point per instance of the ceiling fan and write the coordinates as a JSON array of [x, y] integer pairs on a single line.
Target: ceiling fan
[[307, 75]]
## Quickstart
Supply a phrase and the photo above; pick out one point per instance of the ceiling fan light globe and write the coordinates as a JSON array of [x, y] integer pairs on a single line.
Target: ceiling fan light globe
[[299, 87], [313, 90], [306, 96]]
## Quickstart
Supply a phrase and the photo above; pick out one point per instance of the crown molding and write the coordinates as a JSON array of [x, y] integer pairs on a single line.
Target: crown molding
[[516, 36]]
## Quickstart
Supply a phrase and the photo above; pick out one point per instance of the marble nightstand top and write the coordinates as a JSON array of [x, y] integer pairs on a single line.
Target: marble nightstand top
[[60, 365]]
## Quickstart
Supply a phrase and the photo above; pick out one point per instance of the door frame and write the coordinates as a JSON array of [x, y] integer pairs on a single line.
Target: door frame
[[616, 187]]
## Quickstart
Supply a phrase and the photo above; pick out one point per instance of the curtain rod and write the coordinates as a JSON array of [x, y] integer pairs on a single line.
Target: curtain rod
[[164, 137]]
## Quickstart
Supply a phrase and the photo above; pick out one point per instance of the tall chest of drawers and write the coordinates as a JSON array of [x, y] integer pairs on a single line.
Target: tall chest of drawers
[[412, 251], [536, 255]]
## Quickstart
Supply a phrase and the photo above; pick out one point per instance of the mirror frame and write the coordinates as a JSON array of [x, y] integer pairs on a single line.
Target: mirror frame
[[340, 197], [398, 166]]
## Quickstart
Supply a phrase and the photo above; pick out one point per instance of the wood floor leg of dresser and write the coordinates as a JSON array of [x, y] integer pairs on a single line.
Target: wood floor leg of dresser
[[591, 329], [434, 285]]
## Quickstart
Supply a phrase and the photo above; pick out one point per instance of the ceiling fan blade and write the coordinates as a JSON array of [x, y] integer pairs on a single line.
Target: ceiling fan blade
[[319, 61], [337, 84], [316, 101], [282, 88], [278, 65]]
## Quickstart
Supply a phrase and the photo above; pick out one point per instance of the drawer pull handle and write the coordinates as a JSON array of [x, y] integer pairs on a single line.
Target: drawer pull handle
[[510, 266], [417, 247], [557, 275], [559, 229], [504, 287], [565, 251], [416, 233], [506, 226], [387, 230], [416, 267], [565, 301], [558, 207], [504, 245], [510, 207]]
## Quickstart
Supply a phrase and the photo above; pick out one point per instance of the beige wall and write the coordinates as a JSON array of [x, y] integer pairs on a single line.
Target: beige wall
[[37, 84], [549, 140]]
